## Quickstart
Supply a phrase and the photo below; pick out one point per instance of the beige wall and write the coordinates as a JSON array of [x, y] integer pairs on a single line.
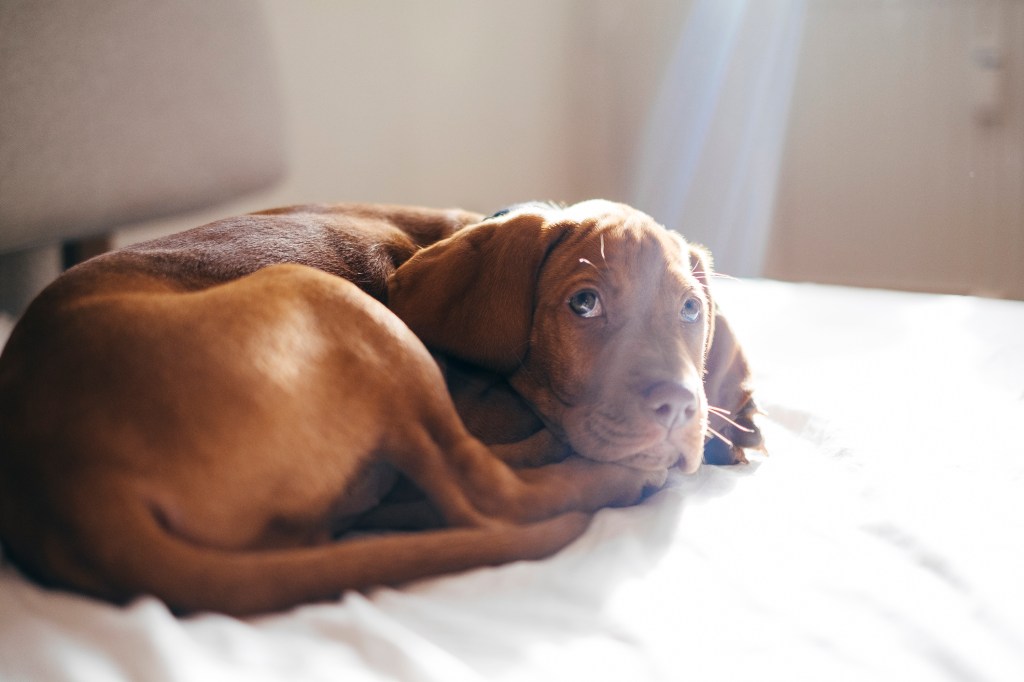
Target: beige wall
[[904, 164], [458, 102], [891, 174]]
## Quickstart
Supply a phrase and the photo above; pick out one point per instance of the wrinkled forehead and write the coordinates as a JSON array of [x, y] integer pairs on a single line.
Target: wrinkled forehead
[[622, 242]]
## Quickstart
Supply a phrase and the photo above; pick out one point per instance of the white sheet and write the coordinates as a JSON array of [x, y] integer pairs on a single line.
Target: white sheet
[[880, 540]]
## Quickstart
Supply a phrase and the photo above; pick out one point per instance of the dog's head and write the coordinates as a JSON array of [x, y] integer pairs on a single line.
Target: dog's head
[[600, 318]]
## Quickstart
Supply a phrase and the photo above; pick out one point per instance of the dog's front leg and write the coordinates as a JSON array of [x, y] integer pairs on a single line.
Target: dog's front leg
[[469, 486], [574, 484], [543, 447], [583, 484]]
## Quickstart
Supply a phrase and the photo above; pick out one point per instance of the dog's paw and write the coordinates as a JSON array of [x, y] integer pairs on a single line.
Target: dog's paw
[[634, 485], [580, 484], [655, 481]]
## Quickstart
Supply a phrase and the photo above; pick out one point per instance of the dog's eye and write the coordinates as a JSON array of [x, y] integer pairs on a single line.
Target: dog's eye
[[586, 303], [691, 310]]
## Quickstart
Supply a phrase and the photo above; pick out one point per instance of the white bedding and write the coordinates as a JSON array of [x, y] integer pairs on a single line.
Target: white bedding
[[882, 539]]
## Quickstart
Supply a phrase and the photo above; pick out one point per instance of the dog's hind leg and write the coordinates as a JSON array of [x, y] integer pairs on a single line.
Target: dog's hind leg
[[147, 558]]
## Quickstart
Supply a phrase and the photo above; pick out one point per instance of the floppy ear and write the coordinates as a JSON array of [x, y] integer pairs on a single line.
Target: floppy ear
[[726, 381], [472, 295]]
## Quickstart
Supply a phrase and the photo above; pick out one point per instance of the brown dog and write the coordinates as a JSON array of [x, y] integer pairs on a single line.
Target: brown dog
[[196, 417], [622, 378]]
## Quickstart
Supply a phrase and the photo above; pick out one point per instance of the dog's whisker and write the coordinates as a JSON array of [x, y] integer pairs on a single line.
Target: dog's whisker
[[718, 410], [738, 426], [721, 437], [703, 273], [605, 260]]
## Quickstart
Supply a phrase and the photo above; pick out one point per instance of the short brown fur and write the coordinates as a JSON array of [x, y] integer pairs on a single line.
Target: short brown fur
[[199, 416]]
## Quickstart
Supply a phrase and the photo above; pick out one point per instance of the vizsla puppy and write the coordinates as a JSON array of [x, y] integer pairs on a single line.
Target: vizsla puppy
[[198, 417], [581, 330]]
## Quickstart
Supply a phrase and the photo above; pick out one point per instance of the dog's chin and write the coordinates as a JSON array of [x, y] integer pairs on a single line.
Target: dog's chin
[[654, 450], [632, 455], [665, 456], [651, 460]]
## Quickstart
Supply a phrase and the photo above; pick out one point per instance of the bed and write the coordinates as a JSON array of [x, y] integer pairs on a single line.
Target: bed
[[880, 539]]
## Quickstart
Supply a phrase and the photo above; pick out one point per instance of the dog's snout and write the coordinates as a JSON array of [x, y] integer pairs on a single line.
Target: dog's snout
[[671, 402]]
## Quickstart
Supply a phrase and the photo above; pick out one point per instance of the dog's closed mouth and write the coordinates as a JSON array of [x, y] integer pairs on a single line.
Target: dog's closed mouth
[[649, 461]]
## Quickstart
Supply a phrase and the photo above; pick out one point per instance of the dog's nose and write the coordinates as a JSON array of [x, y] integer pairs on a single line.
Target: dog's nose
[[671, 402]]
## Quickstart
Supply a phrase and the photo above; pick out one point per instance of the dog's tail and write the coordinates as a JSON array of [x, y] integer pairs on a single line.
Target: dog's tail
[[128, 552]]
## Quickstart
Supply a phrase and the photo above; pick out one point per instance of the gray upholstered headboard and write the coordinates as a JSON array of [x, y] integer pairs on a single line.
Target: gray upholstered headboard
[[117, 111]]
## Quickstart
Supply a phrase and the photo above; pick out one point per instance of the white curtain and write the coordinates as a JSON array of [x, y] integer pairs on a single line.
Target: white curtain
[[711, 151]]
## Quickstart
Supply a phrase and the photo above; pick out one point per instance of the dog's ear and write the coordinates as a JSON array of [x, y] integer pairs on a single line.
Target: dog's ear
[[472, 295], [726, 380]]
